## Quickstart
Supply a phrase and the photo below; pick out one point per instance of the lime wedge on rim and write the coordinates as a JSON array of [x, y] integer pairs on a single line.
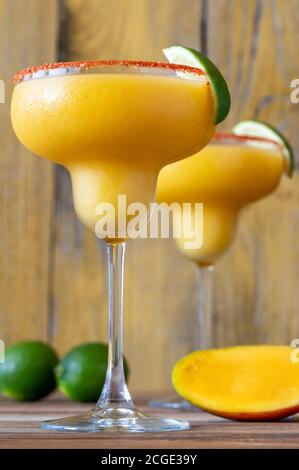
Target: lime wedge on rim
[[186, 56], [262, 129]]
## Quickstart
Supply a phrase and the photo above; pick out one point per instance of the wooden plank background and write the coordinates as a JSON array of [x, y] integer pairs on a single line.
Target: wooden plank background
[[53, 272], [26, 182]]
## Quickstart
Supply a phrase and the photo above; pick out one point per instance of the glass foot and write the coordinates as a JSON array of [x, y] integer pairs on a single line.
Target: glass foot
[[115, 420], [172, 403]]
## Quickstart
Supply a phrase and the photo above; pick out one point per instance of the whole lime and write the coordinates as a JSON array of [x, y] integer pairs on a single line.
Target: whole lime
[[28, 371], [82, 371]]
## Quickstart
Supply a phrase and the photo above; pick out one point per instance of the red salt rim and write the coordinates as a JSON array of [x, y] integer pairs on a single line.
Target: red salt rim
[[245, 138], [89, 64]]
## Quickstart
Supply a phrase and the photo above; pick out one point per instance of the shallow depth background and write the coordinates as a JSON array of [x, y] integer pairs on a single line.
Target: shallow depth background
[[53, 272]]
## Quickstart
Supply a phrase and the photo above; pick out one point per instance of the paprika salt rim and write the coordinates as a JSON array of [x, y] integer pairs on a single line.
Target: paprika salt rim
[[245, 138], [86, 65]]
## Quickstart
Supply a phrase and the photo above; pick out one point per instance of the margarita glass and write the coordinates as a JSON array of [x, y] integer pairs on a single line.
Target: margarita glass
[[230, 173], [113, 125]]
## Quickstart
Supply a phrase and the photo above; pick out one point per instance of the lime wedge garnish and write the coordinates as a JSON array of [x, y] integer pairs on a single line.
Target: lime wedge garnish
[[262, 129], [187, 56]]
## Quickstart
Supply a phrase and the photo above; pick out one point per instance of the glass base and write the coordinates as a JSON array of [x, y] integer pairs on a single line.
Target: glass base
[[115, 420], [172, 403]]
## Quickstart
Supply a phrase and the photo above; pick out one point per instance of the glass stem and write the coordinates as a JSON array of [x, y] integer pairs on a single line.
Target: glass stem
[[205, 275], [115, 392]]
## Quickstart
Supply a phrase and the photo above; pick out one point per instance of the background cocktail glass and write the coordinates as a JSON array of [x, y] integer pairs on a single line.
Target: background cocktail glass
[[230, 173], [113, 125]]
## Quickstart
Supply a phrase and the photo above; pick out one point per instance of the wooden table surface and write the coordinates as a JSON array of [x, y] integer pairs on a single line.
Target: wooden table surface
[[20, 428]]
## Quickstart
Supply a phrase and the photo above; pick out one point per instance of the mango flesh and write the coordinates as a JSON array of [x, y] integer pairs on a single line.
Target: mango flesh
[[247, 383]]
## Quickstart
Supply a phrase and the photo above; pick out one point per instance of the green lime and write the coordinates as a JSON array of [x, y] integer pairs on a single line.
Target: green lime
[[81, 373], [187, 56], [262, 129], [28, 371]]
